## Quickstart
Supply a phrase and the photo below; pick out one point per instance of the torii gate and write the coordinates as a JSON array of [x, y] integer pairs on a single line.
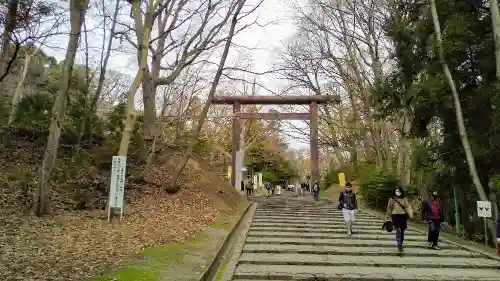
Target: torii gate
[[313, 102]]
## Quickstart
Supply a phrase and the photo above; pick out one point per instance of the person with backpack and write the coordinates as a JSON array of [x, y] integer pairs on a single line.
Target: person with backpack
[[399, 211], [315, 190], [433, 214], [349, 205]]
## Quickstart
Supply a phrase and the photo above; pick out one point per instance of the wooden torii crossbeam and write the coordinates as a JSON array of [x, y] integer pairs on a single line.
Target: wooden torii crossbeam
[[313, 101]]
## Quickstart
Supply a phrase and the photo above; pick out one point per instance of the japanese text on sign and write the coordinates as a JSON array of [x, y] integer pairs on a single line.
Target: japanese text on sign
[[117, 186]]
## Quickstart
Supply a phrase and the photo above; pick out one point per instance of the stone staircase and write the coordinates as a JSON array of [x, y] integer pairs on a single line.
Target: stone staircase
[[295, 238]]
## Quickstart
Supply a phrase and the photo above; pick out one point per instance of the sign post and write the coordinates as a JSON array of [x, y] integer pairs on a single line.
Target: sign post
[[117, 185], [342, 179], [484, 211]]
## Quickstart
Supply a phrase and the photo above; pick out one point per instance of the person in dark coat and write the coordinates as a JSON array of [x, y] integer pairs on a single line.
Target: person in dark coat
[[315, 190], [348, 204], [498, 234], [433, 214]]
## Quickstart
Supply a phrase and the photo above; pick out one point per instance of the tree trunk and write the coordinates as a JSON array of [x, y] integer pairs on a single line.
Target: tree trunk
[[131, 114], [211, 94], [387, 147], [158, 125], [17, 94], [406, 153], [78, 10], [460, 119], [102, 75], [10, 25], [149, 100], [495, 22]]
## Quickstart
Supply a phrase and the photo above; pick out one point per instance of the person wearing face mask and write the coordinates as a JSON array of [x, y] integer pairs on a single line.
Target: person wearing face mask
[[349, 205], [433, 214], [399, 211]]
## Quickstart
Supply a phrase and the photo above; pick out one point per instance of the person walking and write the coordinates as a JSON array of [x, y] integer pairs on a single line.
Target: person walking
[[433, 214], [315, 190], [349, 205], [267, 185], [399, 211], [498, 235]]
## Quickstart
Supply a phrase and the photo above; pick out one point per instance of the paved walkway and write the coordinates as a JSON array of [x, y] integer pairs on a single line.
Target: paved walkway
[[295, 238]]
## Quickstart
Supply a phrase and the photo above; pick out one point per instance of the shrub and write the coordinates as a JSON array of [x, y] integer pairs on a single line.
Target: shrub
[[377, 189], [360, 171]]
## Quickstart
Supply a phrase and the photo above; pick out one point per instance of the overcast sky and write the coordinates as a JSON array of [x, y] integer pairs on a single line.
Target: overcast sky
[[261, 43]]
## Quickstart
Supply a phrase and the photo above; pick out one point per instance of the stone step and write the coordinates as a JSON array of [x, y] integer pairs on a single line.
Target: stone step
[[318, 222], [339, 242], [310, 214], [297, 212], [355, 251], [327, 230], [375, 261], [334, 273], [322, 235], [313, 225], [307, 218]]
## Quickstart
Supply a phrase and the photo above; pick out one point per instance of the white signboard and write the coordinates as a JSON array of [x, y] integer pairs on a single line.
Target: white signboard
[[255, 181], [484, 209], [260, 179], [117, 185]]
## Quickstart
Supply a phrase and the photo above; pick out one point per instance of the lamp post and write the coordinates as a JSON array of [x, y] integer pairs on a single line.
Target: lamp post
[[455, 200]]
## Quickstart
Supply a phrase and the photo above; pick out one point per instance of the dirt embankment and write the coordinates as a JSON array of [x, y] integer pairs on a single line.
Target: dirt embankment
[[71, 244]]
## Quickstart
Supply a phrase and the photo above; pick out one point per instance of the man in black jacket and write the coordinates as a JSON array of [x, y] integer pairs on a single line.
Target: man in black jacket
[[348, 204]]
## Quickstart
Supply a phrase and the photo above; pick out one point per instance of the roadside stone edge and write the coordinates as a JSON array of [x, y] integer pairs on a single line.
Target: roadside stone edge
[[214, 265]]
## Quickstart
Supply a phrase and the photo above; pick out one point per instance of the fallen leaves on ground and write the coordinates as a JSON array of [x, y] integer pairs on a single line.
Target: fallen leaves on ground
[[75, 245]]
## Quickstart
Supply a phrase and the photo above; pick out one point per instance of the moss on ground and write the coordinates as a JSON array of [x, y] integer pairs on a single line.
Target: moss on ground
[[220, 272], [153, 264]]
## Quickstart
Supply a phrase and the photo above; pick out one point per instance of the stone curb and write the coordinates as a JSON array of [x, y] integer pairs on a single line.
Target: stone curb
[[214, 265], [239, 243], [419, 228]]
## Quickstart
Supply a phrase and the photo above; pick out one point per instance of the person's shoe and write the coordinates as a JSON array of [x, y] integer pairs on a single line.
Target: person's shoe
[[430, 245], [435, 247], [401, 249]]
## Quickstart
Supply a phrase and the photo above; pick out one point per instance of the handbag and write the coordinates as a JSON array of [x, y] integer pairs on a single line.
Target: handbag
[[388, 226]]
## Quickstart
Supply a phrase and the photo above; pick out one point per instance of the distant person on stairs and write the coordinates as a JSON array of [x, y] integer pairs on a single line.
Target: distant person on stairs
[[498, 235], [349, 205], [399, 211], [315, 190], [267, 185], [433, 213]]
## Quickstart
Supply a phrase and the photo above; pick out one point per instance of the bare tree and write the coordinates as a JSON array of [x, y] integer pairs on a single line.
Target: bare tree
[[173, 187], [25, 22], [184, 28], [78, 9], [143, 42], [105, 55]]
